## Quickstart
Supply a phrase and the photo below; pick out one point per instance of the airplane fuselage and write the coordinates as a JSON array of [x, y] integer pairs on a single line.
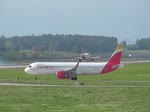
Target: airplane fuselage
[[65, 70], [52, 67]]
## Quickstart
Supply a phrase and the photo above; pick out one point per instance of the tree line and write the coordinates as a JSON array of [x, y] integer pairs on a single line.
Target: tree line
[[43, 45], [46, 45], [141, 44]]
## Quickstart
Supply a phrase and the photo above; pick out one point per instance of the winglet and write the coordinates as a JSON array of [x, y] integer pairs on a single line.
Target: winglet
[[72, 71], [76, 65], [114, 61]]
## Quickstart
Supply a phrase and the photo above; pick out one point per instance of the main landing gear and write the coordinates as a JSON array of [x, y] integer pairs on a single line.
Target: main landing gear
[[74, 78], [36, 77]]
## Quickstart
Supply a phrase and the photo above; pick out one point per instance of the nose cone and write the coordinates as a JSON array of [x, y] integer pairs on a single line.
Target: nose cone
[[29, 71]]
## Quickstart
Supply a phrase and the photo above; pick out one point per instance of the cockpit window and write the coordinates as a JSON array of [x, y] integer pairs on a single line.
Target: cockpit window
[[30, 66]]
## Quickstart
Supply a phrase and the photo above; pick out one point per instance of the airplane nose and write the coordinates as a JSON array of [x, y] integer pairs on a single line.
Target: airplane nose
[[28, 70]]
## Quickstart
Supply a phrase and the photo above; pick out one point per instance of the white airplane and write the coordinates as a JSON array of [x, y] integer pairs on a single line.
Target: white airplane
[[87, 57], [66, 70]]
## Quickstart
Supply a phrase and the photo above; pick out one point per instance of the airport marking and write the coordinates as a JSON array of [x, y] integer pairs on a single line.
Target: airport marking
[[75, 86]]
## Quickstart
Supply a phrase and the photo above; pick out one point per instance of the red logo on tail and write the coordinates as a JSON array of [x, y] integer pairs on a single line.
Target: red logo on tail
[[114, 61]]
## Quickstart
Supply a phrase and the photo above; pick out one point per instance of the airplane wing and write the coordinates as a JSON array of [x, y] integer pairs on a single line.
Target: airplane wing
[[72, 71], [95, 57], [66, 74]]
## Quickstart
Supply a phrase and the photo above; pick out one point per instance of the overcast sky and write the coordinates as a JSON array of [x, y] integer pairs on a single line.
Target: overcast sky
[[124, 19]]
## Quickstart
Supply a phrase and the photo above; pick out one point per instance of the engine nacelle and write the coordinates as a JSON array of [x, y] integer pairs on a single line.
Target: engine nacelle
[[92, 59], [62, 75]]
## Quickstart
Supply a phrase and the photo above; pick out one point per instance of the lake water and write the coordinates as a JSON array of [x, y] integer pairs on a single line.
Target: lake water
[[3, 61]]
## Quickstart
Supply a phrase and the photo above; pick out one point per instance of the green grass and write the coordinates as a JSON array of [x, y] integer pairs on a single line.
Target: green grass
[[138, 51], [130, 92], [50, 99]]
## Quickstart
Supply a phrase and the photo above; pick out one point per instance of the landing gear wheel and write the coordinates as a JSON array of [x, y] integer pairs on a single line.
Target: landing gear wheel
[[74, 78]]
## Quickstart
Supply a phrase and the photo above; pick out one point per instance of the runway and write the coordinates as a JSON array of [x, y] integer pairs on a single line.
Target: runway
[[12, 66], [23, 66], [71, 86], [75, 85]]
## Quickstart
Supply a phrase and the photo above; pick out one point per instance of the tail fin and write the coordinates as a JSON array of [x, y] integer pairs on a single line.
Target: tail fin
[[114, 61], [116, 56]]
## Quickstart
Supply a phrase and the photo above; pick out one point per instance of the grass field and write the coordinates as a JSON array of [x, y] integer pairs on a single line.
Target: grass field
[[125, 90]]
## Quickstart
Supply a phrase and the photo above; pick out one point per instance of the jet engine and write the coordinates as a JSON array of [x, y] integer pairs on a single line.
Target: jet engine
[[62, 75]]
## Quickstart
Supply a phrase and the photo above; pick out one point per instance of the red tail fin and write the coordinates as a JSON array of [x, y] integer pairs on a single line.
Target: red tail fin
[[114, 61]]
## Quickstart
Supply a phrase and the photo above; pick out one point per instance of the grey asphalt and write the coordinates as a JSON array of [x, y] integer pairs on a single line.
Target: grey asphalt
[[75, 86], [23, 66]]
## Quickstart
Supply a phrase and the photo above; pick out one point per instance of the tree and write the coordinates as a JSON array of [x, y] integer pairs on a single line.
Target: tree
[[143, 43], [2, 43], [10, 45]]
